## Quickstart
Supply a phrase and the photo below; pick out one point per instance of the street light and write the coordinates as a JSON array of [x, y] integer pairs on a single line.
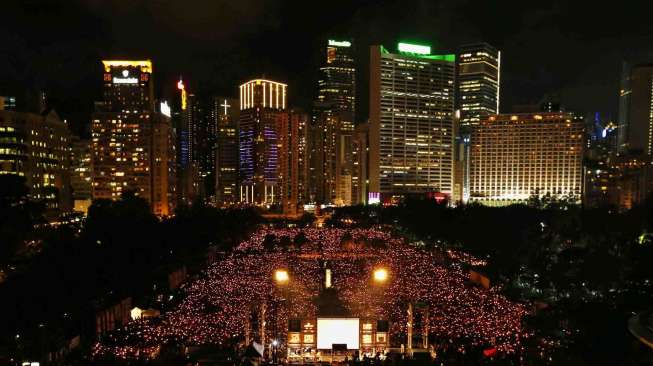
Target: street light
[[380, 275], [281, 276], [275, 343]]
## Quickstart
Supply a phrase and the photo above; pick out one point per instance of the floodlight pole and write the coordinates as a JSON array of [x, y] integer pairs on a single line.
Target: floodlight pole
[[425, 331], [409, 328], [262, 326]]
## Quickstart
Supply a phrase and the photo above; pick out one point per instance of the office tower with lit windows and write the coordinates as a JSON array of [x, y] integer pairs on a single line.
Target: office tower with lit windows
[[359, 180], [635, 131], [333, 125], [164, 163], [302, 120], [225, 112], [204, 135], [478, 82], [262, 110], [80, 173], [189, 181], [516, 156], [411, 131], [288, 139], [36, 147], [131, 141]]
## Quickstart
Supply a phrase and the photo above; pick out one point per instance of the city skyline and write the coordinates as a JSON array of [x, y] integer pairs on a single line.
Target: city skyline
[[556, 67], [281, 182]]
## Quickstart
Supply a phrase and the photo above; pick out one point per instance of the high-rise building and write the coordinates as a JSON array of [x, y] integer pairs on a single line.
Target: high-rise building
[[478, 82], [192, 144], [226, 112], [132, 144], [303, 147], [36, 146], [324, 135], [630, 181], [359, 179], [262, 106], [333, 126], [411, 132], [477, 94], [80, 173], [635, 132], [516, 156], [204, 135], [288, 140]]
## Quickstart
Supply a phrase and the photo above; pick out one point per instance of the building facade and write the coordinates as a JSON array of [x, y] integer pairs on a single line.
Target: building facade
[[478, 82], [635, 132], [80, 174], [411, 131], [191, 115], [333, 126], [302, 120], [262, 105], [226, 114], [360, 152], [516, 156], [131, 143], [36, 147]]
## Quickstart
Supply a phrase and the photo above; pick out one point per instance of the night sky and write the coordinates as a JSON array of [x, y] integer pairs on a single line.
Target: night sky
[[570, 48]]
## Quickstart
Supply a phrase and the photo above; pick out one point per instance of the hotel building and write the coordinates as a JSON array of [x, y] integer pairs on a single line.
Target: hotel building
[[132, 144], [515, 156]]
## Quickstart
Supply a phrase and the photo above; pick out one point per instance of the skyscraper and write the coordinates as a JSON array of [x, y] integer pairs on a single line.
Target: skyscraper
[[333, 125], [478, 82], [80, 173], [189, 180], [478, 87], [36, 147], [225, 112], [635, 132], [360, 152], [411, 130], [131, 141], [515, 156], [303, 147], [288, 139], [262, 105]]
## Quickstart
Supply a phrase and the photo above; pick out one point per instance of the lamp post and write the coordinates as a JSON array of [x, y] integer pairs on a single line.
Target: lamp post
[[281, 278], [275, 343]]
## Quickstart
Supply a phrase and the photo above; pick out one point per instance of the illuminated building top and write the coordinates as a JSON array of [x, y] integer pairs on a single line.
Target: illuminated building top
[[263, 93], [414, 48], [339, 43], [144, 65], [422, 51]]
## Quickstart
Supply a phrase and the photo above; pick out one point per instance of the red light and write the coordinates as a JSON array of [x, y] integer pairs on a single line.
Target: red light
[[490, 352], [180, 85]]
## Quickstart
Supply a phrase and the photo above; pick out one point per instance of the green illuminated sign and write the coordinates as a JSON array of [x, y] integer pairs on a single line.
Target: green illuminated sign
[[414, 48], [339, 43]]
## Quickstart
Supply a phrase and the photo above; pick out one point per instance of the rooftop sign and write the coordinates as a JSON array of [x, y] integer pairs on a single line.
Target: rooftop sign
[[339, 43], [414, 48]]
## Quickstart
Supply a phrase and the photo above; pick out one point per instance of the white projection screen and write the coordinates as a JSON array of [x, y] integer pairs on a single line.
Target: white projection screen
[[338, 331]]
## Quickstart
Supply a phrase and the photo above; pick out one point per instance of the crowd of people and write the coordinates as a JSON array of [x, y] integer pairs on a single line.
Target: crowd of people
[[218, 307]]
